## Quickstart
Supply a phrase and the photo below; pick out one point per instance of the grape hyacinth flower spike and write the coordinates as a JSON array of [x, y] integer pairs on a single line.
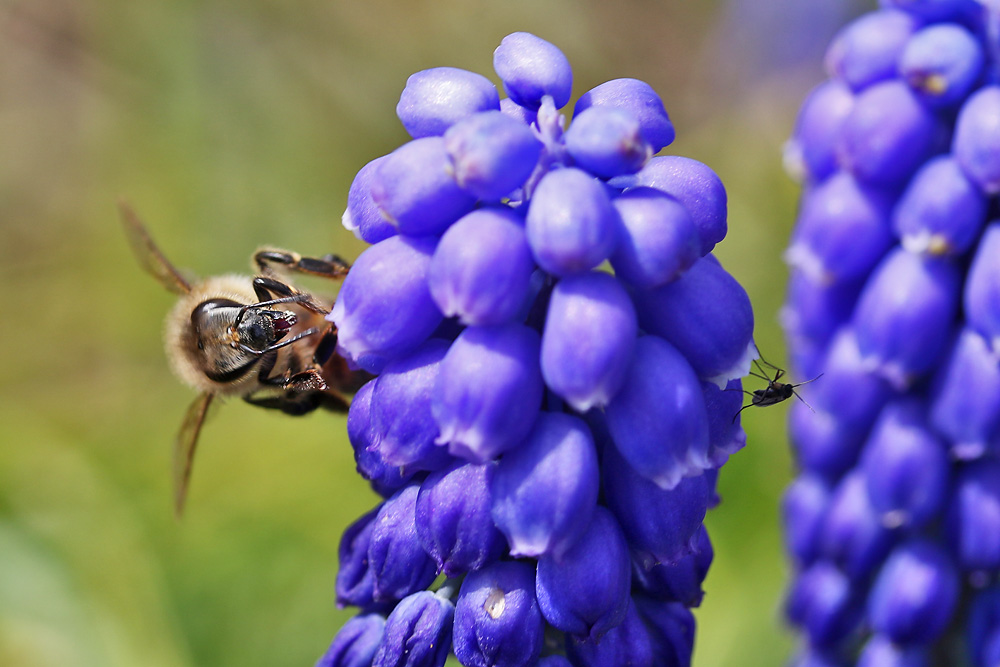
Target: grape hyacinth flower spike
[[535, 415], [892, 526]]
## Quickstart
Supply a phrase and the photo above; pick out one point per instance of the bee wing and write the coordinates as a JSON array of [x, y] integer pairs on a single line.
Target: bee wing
[[149, 255], [187, 441]]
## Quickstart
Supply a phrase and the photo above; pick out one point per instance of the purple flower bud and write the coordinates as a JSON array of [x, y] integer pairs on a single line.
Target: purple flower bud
[[571, 224], [493, 154], [481, 270], [941, 63], [905, 315], [694, 185], [355, 579], [983, 627], [725, 435], [661, 526], [707, 316], [853, 534], [417, 633], [976, 144], [356, 643], [588, 339], [671, 630], [639, 100], [402, 425], [681, 580], [398, 562], [973, 520], [803, 514], [905, 467], [915, 594], [362, 216], [887, 135], [384, 308], [982, 289], [941, 211], [658, 420], [824, 604], [371, 464], [554, 661], [936, 10], [628, 643], [574, 600], [814, 310], [509, 107], [810, 153], [545, 490], [435, 99], [849, 389], [497, 619], [659, 240], [531, 68], [823, 443], [489, 391], [453, 519], [866, 50], [843, 230], [607, 142], [966, 403], [880, 651]]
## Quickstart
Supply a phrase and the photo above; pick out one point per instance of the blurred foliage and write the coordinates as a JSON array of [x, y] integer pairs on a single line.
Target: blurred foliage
[[230, 124]]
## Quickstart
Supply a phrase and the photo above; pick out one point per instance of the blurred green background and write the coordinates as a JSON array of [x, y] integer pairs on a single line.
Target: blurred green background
[[235, 123]]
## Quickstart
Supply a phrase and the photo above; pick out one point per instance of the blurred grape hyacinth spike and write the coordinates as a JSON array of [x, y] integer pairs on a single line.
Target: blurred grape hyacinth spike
[[893, 525], [557, 359]]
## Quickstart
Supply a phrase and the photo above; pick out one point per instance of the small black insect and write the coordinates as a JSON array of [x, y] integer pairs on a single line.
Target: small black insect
[[775, 391]]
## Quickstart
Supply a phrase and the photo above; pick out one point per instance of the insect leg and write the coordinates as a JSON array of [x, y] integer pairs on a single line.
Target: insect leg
[[271, 290], [328, 266]]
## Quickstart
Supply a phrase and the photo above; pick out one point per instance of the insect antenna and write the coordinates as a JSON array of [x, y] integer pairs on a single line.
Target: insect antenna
[[799, 385]]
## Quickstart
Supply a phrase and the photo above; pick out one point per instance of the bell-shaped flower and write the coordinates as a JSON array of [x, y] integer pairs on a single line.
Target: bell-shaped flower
[[941, 63], [497, 619], [384, 308], [658, 241], [399, 564], [588, 339], [453, 519], [355, 643], [639, 100], [355, 579], [661, 526], [362, 216], [823, 443], [824, 603], [973, 520], [888, 134], [681, 580], [481, 269], [810, 154], [607, 142], [906, 467], [385, 478], [628, 643], [415, 188], [489, 391], [725, 434], [403, 428], [512, 109], [417, 632], [803, 513], [854, 536], [982, 289], [706, 315], [531, 68], [492, 154], [966, 402], [694, 185], [905, 315], [866, 50], [658, 420], [942, 211], [843, 230], [976, 143], [671, 630], [571, 597], [915, 593], [849, 388], [571, 225], [437, 98], [983, 626], [545, 490], [880, 651]]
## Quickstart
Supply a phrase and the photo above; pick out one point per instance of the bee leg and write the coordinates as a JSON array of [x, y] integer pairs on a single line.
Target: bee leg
[[267, 289], [328, 266], [291, 405], [334, 401]]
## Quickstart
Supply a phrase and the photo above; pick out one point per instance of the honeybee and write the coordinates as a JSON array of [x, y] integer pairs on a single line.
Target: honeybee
[[258, 338]]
